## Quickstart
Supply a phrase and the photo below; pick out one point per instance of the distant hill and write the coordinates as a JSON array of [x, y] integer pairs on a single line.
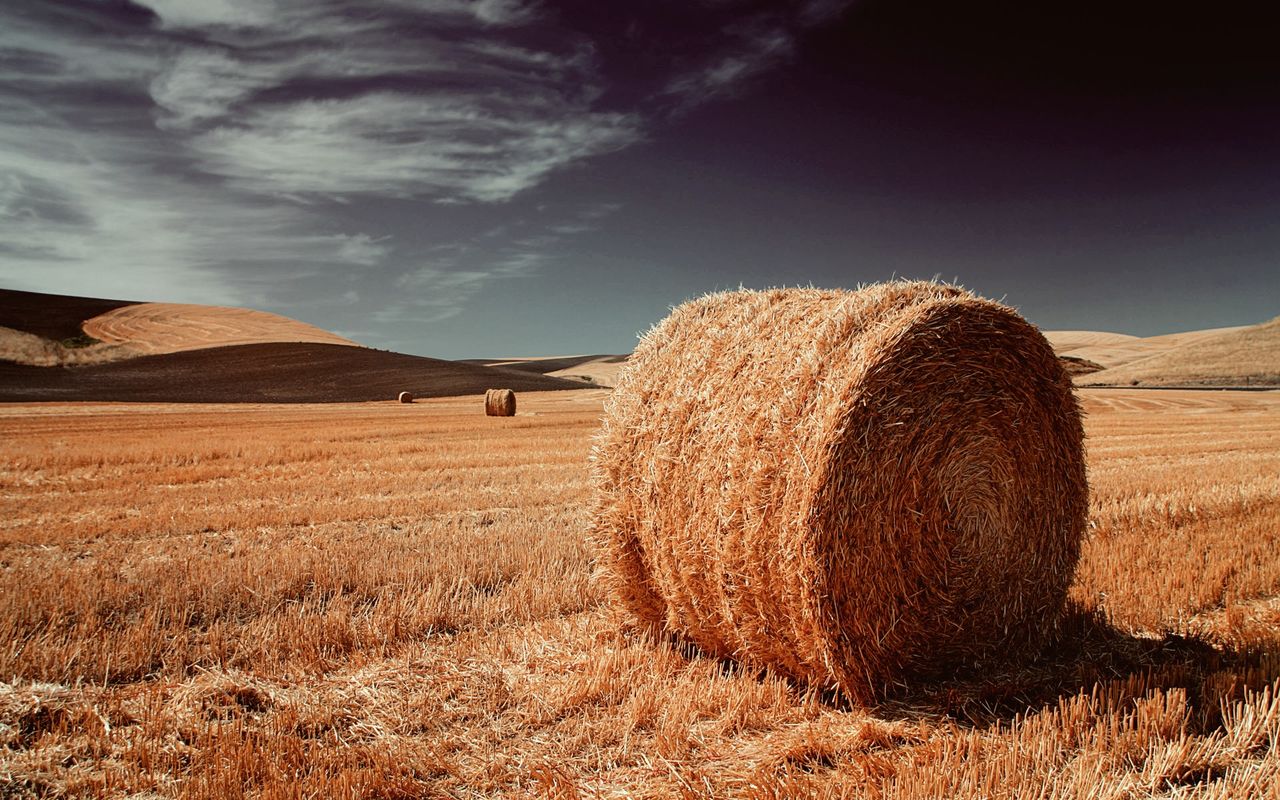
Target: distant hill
[[1240, 355], [54, 347], [1115, 349], [283, 372], [174, 327], [1248, 356], [597, 370], [1070, 341]]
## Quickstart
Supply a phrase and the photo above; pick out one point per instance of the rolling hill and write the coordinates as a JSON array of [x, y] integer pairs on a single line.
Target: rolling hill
[[1248, 356], [280, 372], [175, 327], [598, 370], [164, 352], [81, 348], [1232, 356], [1116, 349]]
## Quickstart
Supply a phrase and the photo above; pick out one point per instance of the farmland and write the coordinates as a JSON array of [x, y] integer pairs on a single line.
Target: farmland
[[385, 600]]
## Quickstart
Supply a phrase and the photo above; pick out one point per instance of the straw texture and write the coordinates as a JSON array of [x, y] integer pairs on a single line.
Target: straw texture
[[405, 397], [856, 488], [500, 403]]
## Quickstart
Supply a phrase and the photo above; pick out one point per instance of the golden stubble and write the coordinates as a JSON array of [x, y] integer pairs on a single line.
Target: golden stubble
[[386, 600]]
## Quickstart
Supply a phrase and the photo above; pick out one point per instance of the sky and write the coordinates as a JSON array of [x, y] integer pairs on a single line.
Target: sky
[[472, 178]]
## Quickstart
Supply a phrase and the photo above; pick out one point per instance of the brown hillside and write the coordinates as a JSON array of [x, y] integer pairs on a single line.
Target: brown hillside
[[53, 316], [265, 373], [1236, 357]]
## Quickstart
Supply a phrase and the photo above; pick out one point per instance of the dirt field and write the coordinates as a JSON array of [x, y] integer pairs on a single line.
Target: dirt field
[[384, 600], [280, 372]]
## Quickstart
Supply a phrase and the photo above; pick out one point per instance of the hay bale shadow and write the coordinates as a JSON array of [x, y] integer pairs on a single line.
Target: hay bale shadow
[[1087, 652]]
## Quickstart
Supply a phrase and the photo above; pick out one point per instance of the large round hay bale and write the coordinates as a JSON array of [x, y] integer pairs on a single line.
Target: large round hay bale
[[405, 397], [500, 403], [860, 489]]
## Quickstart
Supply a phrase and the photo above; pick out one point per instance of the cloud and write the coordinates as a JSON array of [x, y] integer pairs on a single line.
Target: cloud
[[753, 45], [752, 52], [453, 275], [476, 147], [240, 14], [306, 101], [89, 217], [821, 12], [200, 84], [221, 150]]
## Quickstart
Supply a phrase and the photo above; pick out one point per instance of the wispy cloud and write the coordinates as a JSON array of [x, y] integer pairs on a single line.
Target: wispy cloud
[[750, 47], [316, 98], [90, 217], [753, 50], [205, 149], [452, 275], [479, 147]]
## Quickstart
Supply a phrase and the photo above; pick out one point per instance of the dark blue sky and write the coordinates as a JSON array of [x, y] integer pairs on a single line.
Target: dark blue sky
[[460, 179]]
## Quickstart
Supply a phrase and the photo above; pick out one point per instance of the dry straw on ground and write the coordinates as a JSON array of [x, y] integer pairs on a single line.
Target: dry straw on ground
[[405, 397], [500, 403], [855, 488]]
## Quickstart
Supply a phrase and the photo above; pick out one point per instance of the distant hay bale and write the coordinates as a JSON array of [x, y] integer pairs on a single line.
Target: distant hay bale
[[859, 489], [405, 397], [500, 403]]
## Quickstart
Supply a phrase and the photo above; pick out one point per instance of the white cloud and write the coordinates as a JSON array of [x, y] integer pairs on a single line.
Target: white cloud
[[201, 157], [201, 84], [243, 14], [496, 120], [477, 147], [37, 59], [201, 13], [88, 217]]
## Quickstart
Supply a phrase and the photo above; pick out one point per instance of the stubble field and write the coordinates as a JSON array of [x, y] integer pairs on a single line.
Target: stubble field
[[376, 600]]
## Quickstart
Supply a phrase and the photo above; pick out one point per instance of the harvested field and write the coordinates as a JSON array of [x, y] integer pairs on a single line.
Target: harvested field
[[264, 373], [176, 327], [374, 601], [1071, 341], [1235, 357]]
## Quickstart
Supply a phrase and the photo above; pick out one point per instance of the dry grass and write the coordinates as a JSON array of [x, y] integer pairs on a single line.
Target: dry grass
[[1234, 357], [1116, 349], [372, 601], [859, 489], [150, 328], [37, 351]]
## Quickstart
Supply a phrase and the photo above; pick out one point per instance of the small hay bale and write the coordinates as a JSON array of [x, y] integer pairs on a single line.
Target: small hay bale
[[859, 489], [500, 403], [405, 397]]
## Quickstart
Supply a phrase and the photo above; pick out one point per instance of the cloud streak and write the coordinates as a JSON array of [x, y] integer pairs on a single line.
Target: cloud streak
[[452, 275], [446, 146], [224, 150]]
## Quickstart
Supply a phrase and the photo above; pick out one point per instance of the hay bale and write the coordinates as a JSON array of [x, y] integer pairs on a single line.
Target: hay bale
[[500, 403], [405, 397], [859, 489]]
